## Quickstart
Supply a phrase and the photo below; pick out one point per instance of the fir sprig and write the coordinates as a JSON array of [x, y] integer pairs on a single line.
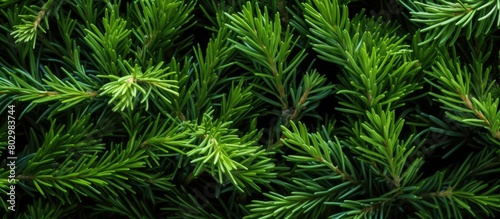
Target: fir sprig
[[446, 21], [154, 82], [378, 70], [228, 157], [111, 45], [471, 104], [263, 39]]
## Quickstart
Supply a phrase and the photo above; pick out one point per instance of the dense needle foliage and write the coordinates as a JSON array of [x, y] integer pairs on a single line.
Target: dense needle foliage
[[250, 109]]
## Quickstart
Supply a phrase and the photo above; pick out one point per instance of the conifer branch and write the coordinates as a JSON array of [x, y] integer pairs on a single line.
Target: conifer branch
[[358, 46], [445, 20], [461, 98], [152, 83]]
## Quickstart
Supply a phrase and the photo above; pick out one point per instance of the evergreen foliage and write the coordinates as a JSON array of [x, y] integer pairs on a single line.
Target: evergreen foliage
[[250, 109]]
